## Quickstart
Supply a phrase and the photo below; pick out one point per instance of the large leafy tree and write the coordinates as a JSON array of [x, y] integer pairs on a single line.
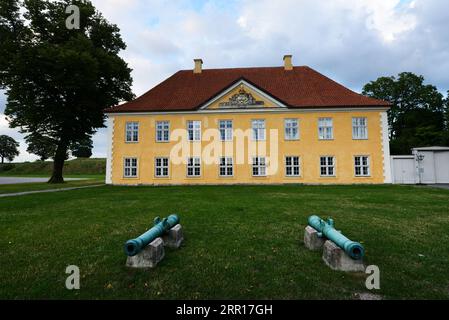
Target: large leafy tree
[[82, 149], [41, 146], [59, 80], [417, 115], [8, 148]]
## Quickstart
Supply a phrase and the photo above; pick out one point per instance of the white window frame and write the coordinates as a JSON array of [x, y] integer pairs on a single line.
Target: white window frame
[[194, 130], [258, 129], [290, 125], [260, 166], [292, 166], [226, 132], [194, 163], [226, 165], [163, 131], [325, 128], [327, 166], [132, 127], [359, 128], [130, 166], [161, 164], [362, 166]]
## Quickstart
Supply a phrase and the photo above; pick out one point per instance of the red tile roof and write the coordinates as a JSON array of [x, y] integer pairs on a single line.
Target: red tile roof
[[301, 87]]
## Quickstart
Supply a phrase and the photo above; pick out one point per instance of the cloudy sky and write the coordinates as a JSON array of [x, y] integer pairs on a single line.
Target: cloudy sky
[[351, 41]]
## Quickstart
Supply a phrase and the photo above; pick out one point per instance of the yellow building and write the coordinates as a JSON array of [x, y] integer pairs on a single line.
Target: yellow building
[[248, 126]]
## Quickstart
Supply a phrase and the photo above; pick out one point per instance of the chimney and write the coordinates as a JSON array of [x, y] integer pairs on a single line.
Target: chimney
[[198, 65], [288, 62]]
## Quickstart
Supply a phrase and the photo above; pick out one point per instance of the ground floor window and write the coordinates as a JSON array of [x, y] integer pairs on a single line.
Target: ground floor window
[[130, 168], [327, 166], [161, 167], [226, 168], [361, 166], [194, 167], [259, 167], [292, 166]]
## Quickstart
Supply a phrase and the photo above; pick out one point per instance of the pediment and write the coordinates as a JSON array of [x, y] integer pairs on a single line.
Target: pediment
[[242, 95]]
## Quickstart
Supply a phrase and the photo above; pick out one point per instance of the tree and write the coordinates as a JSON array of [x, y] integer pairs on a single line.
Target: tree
[[8, 148], [82, 149], [42, 146], [59, 80], [417, 115]]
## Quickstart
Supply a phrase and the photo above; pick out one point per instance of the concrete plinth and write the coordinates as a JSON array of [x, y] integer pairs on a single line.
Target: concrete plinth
[[149, 257], [174, 237], [311, 239], [337, 259]]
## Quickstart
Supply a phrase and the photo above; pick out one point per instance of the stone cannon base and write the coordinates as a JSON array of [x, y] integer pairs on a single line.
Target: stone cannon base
[[311, 239], [337, 259], [174, 237], [149, 257]]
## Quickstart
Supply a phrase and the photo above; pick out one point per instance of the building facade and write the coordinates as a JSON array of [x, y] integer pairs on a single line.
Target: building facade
[[248, 126]]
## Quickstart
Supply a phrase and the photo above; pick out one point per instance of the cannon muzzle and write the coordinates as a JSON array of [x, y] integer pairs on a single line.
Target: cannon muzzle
[[161, 226], [354, 249]]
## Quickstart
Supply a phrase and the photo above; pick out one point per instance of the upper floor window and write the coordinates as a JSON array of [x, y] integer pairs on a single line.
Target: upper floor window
[[325, 129], [132, 132], [194, 167], [194, 130], [225, 130], [130, 168], [361, 166], [162, 131], [259, 167], [359, 128], [161, 167], [226, 168], [291, 129], [292, 166], [258, 128], [327, 166]]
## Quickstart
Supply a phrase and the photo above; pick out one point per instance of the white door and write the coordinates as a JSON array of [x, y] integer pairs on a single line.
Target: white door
[[404, 170], [428, 167], [442, 166]]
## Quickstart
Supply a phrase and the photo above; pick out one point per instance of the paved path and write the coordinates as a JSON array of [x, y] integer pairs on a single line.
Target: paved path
[[47, 190], [16, 180], [441, 186]]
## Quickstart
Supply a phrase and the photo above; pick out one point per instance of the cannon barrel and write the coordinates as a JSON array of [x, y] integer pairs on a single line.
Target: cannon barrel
[[134, 246], [354, 249]]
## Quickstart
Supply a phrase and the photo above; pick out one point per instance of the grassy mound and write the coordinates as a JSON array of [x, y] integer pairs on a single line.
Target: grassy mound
[[91, 166]]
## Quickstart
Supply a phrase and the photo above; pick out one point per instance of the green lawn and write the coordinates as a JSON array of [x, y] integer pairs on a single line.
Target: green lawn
[[36, 186], [242, 242]]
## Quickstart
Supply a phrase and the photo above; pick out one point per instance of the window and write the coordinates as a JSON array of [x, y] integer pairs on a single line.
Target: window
[[361, 166], [325, 131], [258, 129], [226, 169], [359, 128], [194, 167], [226, 130], [292, 166], [162, 131], [161, 167], [327, 166], [132, 131], [291, 129], [130, 168], [259, 167], [194, 130]]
